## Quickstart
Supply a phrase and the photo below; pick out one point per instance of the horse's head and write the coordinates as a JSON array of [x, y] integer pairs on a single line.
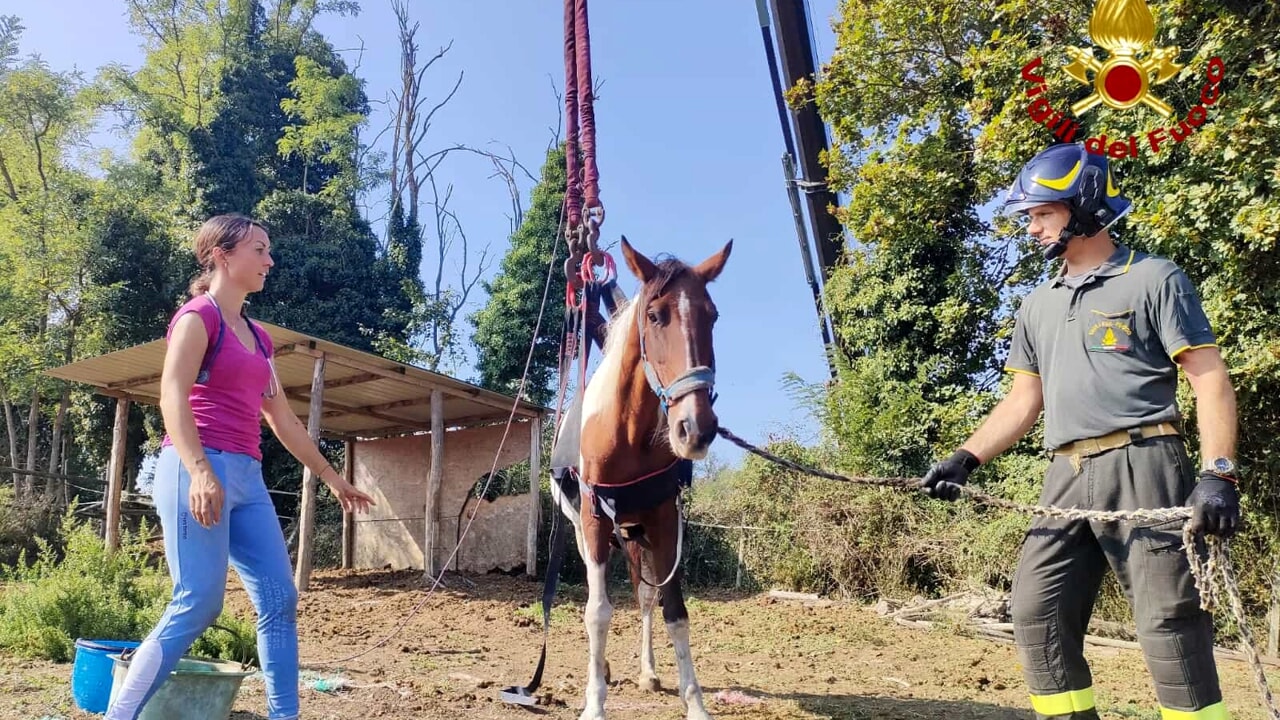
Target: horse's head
[[674, 317]]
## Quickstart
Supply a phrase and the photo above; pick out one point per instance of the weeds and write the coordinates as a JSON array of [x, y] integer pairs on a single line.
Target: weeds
[[863, 543], [560, 614], [86, 591], [23, 523]]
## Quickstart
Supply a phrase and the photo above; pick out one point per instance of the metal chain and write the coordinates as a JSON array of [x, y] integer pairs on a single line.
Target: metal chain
[[1213, 574]]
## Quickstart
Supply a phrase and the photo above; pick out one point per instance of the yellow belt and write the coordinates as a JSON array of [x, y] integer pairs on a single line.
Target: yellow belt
[[1089, 447]]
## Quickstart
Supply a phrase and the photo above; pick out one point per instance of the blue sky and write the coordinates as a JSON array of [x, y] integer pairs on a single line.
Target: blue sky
[[689, 147]]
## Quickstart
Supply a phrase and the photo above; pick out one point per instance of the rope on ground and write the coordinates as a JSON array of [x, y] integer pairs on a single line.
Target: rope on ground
[[1212, 574]]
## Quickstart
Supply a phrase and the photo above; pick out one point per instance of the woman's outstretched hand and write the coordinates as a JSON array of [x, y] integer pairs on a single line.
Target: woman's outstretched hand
[[351, 499]]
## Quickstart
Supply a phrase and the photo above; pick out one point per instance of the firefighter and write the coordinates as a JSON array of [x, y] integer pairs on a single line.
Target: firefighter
[[1098, 347]]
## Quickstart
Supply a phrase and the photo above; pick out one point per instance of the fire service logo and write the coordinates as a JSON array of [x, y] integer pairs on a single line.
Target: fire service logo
[[1126, 78]]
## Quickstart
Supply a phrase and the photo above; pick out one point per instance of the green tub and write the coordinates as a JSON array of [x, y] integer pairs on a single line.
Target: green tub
[[198, 689]]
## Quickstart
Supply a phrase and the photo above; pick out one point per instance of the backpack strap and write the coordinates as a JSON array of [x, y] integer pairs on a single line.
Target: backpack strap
[[211, 351], [273, 385], [257, 339]]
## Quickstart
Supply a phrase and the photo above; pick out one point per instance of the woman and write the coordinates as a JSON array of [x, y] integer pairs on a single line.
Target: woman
[[209, 492]]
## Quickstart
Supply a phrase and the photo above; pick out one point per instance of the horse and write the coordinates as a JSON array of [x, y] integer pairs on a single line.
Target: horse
[[637, 436]]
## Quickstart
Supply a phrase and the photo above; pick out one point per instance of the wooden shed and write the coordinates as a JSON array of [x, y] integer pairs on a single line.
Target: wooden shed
[[417, 441]]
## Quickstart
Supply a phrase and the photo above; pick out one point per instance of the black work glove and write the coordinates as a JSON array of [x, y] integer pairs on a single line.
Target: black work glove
[[1215, 505], [944, 479]]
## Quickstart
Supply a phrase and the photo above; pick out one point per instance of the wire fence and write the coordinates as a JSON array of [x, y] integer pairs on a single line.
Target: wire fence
[[87, 497], [718, 552]]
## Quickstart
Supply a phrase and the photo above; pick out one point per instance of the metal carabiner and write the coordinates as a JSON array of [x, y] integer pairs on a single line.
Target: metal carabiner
[[592, 219], [591, 260]]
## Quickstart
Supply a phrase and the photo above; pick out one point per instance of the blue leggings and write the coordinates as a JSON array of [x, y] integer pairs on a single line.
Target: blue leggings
[[249, 535]]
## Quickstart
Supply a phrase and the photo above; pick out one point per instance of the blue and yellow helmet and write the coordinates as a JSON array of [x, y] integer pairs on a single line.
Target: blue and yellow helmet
[[1069, 174]]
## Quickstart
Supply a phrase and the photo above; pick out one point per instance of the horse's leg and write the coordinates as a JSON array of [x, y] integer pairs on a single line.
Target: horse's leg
[[647, 597], [584, 552], [574, 515], [677, 619], [598, 612], [674, 612]]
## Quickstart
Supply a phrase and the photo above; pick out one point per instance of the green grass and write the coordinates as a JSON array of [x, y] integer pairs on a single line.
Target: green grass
[[560, 614]]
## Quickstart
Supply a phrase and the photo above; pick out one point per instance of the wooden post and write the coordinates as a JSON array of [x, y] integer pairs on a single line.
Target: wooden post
[[435, 478], [742, 550], [348, 519], [535, 496], [1273, 631], [307, 520], [64, 498], [115, 473]]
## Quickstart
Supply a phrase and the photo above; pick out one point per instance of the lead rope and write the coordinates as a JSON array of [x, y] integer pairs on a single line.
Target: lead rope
[[1212, 574]]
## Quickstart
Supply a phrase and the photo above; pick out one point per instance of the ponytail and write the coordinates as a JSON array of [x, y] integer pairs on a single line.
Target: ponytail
[[200, 285]]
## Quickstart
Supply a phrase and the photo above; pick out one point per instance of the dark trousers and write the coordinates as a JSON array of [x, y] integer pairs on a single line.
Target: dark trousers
[[1061, 569]]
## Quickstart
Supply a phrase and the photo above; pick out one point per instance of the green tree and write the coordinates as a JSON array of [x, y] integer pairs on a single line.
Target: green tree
[[10, 30], [327, 127], [504, 326], [915, 306], [209, 106], [41, 245], [327, 280]]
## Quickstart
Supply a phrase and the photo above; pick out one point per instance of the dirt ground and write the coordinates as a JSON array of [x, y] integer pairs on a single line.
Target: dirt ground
[[785, 660]]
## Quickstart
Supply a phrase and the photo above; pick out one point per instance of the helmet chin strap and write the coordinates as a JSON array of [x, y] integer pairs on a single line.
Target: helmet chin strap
[[1073, 228], [1059, 246]]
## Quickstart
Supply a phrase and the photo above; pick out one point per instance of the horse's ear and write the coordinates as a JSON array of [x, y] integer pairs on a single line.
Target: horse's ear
[[710, 268], [641, 266]]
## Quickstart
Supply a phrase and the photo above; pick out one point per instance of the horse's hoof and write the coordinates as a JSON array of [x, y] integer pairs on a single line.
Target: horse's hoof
[[591, 715], [651, 683], [694, 710]]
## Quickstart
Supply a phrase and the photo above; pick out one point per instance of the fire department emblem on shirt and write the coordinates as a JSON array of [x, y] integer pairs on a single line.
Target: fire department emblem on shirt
[[1110, 333]]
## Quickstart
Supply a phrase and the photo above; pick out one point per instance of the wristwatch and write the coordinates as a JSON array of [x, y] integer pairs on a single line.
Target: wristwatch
[[1223, 466]]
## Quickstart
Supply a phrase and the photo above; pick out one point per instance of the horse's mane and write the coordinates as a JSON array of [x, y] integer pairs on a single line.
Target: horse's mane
[[624, 322], [619, 325]]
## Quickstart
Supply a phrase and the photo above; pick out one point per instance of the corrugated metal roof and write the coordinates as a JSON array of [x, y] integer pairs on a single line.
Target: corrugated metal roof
[[364, 394]]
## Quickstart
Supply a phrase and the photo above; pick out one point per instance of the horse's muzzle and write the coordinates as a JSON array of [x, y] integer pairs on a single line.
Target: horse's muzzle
[[694, 435]]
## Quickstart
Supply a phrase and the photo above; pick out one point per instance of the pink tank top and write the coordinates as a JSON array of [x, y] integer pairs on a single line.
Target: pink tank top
[[228, 403]]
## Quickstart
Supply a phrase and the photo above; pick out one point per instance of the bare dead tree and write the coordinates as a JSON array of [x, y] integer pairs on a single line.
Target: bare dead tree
[[410, 124], [501, 170], [555, 134], [450, 301], [413, 172]]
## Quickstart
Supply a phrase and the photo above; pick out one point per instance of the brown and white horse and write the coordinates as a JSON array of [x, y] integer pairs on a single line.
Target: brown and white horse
[[635, 426]]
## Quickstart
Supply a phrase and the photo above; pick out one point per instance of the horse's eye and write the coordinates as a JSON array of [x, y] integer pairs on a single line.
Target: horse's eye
[[653, 317]]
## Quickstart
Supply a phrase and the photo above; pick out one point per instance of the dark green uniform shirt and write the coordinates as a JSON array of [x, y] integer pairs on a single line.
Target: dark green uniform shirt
[[1104, 350]]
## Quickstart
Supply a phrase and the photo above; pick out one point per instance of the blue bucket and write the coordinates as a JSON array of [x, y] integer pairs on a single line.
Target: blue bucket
[[91, 675]]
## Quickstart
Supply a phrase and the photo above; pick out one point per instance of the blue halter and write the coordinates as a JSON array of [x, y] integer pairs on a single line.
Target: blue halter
[[694, 379]]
